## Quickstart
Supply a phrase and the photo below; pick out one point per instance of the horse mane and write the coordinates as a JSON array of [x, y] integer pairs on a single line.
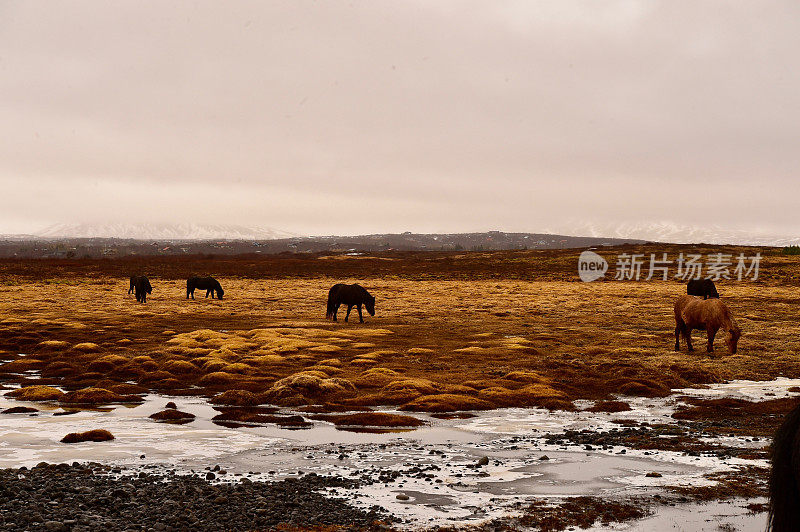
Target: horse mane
[[784, 512], [726, 318]]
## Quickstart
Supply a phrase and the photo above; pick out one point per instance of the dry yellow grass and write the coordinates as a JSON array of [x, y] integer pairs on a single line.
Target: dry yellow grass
[[502, 341], [36, 393]]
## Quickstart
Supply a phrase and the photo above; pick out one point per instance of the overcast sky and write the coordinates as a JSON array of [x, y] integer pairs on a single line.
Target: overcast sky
[[377, 116]]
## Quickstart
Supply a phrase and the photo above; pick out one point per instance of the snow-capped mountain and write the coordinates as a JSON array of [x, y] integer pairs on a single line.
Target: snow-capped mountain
[[682, 234], [146, 231]]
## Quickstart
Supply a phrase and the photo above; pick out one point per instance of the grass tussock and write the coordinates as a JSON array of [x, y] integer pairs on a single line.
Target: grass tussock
[[372, 419], [86, 347], [446, 403], [97, 396], [308, 388], [96, 435], [237, 398], [36, 393]]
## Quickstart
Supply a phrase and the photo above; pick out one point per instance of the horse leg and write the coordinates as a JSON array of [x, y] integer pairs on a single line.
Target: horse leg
[[349, 308], [335, 310], [687, 335], [360, 317], [711, 333], [207, 292], [677, 335]]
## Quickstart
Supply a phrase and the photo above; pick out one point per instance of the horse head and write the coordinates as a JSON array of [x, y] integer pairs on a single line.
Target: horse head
[[369, 303], [220, 291], [732, 340]]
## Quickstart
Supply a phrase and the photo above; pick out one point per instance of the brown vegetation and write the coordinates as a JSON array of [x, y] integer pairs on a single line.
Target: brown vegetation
[[172, 415], [36, 393], [97, 396], [453, 331], [370, 419], [90, 435]]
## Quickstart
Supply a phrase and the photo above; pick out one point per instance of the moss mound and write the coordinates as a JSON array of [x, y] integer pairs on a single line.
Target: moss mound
[[36, 393], [97, 396], [237, 398], [446, 403], [90, 435], [172, 415]]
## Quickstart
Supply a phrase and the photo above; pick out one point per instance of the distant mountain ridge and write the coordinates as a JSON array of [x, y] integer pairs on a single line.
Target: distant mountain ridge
[[88, 243], [575, 233], [146, 231], [681, 234]]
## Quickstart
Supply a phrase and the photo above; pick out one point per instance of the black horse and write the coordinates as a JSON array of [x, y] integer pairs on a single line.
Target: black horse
[[141, 287], [350, 295], [702, 287], [784, 494], [209, 284]]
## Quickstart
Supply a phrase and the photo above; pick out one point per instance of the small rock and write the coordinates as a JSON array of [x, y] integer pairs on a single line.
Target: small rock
[[402, 497], [484, 460], [653, 474], [544, 457]]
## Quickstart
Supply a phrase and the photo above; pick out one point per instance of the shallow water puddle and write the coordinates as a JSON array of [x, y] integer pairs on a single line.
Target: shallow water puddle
[[713, 516], [440, 480]]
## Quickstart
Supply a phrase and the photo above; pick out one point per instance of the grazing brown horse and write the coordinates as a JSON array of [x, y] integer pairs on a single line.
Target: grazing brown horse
[[710, 315], [352, 295]]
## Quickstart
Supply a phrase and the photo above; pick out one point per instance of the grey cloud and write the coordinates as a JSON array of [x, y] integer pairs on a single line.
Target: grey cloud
[[333, 117]]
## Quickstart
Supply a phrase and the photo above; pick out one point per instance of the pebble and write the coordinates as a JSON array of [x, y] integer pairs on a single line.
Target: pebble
[[60, 497]]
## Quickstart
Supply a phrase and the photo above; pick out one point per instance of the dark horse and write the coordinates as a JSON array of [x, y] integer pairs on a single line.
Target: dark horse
[[209, 284], [141, 286], [702, 287], [350, 295], [784, 493]]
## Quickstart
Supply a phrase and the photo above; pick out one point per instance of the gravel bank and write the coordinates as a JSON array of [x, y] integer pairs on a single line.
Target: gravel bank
[[61, 497]]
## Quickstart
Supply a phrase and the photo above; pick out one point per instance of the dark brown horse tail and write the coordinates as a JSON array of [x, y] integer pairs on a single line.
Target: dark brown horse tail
[[331, 303], [784, 511]]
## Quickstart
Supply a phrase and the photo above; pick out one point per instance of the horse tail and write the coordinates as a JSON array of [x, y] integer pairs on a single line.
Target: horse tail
[[784, 512], [331, 303]]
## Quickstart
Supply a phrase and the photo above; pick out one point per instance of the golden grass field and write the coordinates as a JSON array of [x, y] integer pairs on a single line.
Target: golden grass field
[[443, 338]]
